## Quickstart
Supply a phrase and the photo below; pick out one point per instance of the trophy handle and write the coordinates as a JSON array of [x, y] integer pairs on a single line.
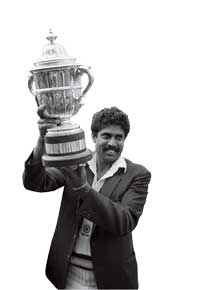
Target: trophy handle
[[30, 86], [84, 70]]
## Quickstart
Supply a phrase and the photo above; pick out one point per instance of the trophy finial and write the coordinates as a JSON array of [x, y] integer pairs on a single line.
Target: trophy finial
[[51, 36]]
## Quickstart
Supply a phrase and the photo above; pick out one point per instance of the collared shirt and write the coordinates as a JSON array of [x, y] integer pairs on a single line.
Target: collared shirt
[[82, 245]]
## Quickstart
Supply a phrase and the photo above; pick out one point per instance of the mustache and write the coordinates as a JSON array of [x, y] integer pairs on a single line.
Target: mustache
[[109, 147]]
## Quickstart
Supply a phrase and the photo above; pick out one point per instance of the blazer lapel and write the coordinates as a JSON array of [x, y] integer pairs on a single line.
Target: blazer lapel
[[110, 185], [90, 175]]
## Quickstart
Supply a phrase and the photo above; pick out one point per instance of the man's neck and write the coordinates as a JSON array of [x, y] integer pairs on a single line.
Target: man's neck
[[102, 168]]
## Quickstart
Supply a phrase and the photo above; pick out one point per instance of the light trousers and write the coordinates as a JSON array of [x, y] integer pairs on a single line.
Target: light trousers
[[79, 278]]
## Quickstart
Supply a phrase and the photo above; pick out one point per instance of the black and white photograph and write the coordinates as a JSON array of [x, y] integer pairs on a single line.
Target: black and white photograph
[[101, 144]]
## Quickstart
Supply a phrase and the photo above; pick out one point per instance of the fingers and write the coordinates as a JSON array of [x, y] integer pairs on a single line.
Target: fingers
[[82, 171], [44, 125], [41, 111], [79, 170], [67, 171], [49, 122], [44, 114], [73, 167], [76, 174], [46, 121], [71, 176], [72, 171]]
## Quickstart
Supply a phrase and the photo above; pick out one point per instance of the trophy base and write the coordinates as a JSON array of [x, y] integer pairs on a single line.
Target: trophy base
[[65, 146], [65, 161]]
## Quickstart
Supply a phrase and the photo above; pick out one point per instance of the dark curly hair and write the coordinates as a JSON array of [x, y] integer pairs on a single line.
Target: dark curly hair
[[107, 117]]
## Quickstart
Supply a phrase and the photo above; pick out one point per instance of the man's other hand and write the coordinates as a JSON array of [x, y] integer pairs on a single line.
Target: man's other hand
[[75, 176], [46, 121]]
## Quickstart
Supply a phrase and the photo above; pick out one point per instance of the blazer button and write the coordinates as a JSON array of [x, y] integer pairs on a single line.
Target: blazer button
[[68, 256]]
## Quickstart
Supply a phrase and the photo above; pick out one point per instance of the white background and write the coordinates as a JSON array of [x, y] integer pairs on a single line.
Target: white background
[[146, 57]]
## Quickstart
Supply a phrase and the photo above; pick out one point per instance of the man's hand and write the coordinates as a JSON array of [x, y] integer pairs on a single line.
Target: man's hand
[[76, 177], [46, 121]]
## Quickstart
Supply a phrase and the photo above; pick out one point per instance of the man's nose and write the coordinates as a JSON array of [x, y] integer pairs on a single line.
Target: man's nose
[[112, 142]]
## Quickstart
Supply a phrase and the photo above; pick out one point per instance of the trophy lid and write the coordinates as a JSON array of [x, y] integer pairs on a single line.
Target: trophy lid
[[54, 54]]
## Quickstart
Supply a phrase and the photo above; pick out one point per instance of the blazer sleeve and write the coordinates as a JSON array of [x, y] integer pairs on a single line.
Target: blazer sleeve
[[36, 177], [118, 217]]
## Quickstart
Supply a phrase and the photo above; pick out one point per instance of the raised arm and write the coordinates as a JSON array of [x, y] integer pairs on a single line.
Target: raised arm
[[36, 177]]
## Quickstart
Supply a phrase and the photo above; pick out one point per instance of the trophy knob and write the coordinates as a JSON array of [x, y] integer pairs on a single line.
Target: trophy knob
[[51, 37]]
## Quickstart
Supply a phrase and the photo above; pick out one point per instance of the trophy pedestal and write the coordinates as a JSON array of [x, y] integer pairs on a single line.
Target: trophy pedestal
[[65, 161], [65, 146]]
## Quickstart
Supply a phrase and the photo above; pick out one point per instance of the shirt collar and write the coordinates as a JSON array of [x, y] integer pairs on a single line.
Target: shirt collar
[[119, 163]]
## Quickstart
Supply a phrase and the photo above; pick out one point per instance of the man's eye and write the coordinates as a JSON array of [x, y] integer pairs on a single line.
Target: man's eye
[[105, 136], [119, 138]]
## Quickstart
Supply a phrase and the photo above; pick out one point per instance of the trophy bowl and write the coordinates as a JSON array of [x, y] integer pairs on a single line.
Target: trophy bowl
[[60, 89], [55, 82]]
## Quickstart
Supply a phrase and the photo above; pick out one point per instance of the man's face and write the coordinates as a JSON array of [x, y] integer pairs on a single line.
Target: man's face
[[109, 143]]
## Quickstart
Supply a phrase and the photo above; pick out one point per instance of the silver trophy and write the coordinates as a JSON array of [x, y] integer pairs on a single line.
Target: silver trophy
[[56, 83]]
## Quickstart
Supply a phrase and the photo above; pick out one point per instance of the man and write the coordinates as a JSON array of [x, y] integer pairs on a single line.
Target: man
[[102, 201]]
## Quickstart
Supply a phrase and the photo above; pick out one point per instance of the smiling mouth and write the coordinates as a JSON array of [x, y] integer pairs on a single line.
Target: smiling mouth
[[111, 151]]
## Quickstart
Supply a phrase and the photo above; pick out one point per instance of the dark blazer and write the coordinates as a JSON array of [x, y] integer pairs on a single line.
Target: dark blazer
[[115, 211]]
